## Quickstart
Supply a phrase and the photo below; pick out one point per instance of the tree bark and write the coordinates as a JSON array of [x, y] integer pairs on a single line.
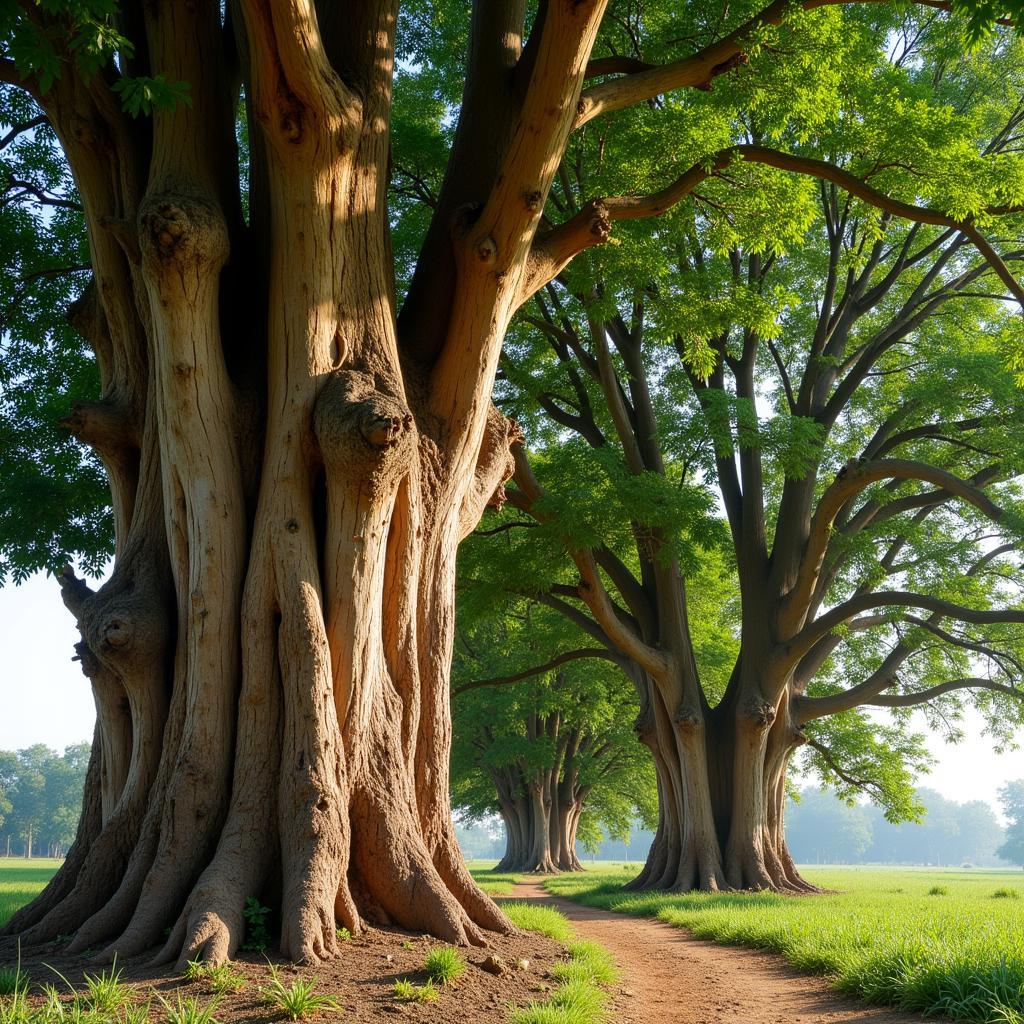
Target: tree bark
[[290, 480]]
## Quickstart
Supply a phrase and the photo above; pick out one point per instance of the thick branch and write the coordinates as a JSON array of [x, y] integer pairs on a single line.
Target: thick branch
[[536, 670], [850, 482]]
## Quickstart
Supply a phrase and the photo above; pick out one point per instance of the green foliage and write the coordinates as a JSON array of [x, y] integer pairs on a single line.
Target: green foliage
[[296, 1000], [960, 957], [444, 965], [141, 95], [257, 933], [41, 795]]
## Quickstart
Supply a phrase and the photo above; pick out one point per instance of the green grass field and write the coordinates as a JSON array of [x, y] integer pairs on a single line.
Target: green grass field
[[20, 880], [935, 941], [932, 940]]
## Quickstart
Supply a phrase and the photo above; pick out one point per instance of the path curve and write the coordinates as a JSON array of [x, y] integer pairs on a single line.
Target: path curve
[[669, 976]]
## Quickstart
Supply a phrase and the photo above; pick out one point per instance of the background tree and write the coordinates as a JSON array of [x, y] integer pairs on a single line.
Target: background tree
[[552, 752], [292, 460], [835, 359], [1012, 797], [42, 791]]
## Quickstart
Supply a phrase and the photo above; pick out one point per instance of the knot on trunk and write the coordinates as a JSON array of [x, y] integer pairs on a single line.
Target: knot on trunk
[[688, 719], [107, 427], [185, 230], [364, 432], [758, 713], [124, 624]]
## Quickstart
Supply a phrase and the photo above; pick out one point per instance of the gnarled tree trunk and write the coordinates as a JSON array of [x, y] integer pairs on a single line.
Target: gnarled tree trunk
[[290, 478]]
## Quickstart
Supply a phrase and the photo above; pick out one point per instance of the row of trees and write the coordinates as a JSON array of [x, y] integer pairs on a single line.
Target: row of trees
[[41, 798], [744, 274]]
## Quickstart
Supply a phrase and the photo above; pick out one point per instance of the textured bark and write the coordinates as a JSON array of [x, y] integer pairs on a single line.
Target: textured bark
[[290, 474]]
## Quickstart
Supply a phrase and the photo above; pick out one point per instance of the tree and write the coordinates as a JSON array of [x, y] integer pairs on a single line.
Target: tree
[[836, 362], [292, 460], [1012, 798], [42, 792], [551, 753]]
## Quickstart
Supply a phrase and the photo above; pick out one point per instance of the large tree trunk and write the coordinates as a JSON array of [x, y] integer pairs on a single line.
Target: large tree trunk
[[270, 656], [721, 787]]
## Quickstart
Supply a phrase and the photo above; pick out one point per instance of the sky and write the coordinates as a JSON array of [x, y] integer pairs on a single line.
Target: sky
[[46, 699]]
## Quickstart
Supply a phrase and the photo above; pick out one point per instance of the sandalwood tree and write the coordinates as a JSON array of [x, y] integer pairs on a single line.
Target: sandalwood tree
[[839, 365], [294, 445]]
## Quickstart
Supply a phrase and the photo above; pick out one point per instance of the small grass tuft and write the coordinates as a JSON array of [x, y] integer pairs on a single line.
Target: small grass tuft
[[343, 935], [1006, 894], [298, 999], [588, 962], [104, 991], [444, 965], [189, 1010], [12, 981], [407, 992], [938, 890]]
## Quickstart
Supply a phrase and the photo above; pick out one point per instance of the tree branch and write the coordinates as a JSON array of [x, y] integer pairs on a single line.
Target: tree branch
[[909, 700], [850, 482], [791, 652], [536, 670], [699, 70]]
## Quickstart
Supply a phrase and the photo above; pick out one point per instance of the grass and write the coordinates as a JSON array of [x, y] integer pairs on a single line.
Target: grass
[[22, 879], [881, 936], [12, 980], [494, 883], [407, 992], [221, 978], [580, 997], [540, 919], [188, 1010], [444, 965], [298, 999]]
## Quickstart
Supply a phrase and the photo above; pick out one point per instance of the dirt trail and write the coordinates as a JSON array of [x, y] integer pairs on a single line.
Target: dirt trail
[[669, 976]]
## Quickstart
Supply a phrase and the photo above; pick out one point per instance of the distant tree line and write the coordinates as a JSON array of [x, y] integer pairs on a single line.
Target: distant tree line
[[40, 799], [823, 829]]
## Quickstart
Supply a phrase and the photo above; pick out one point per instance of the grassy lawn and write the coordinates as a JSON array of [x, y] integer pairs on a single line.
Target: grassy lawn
[[20, 880], [492, 882], [936, 941]]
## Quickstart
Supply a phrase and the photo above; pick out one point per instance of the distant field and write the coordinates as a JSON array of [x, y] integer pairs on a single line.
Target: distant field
[[21, 879], [934, 940]]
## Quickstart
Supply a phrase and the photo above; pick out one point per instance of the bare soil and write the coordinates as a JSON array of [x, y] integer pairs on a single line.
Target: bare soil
[[669, 976], [362, 979]]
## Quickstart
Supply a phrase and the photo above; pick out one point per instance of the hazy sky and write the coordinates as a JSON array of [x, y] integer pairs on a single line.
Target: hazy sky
[[46, 699]]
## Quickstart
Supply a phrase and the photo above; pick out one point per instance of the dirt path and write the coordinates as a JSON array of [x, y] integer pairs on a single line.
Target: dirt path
[[669, 976]]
